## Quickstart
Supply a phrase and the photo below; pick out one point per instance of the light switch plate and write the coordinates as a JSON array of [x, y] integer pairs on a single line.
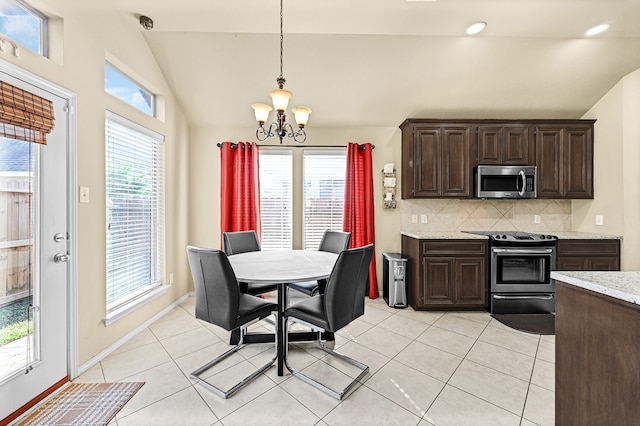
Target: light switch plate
[[536, 218], [414, 218], [84, 194], [599, 219], [423, 218]]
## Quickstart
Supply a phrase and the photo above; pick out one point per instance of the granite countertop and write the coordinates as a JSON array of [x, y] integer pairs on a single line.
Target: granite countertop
[[620, 285], [457, 235], [443, 235], [567, 235]]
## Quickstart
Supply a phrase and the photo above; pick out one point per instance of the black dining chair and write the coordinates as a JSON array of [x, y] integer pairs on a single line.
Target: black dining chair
[[219, 302], [342, 302], [334, 242], [242, 242]]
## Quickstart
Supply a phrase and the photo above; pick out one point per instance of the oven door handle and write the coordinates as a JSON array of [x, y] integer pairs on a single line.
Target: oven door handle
[[522, 251], [499, 297]]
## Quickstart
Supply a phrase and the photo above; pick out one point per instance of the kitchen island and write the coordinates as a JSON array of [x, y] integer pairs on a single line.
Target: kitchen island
[[597, 348]]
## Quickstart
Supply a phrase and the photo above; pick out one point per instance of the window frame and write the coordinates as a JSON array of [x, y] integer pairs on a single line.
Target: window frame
[[156, 268], [43, 36], [268, 245], [312, 242], [153, 96]]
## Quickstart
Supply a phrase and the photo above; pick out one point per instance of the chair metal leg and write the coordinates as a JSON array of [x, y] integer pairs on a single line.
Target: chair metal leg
[[227, 393], [337, 394]]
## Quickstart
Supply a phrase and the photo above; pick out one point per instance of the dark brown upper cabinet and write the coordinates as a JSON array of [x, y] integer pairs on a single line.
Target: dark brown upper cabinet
[[435, 159], [505, 145], [438, 155], [565, 159]]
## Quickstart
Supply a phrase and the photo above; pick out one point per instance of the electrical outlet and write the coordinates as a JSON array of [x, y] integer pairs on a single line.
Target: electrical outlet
[[599, 219], [171, 278], [414, 218], [423, 218], [536, 218]]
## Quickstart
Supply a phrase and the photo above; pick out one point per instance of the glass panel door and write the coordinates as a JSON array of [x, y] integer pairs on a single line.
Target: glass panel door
[[34, 262]]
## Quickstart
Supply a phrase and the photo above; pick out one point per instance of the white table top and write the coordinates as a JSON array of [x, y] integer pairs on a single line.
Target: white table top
[[277, 266]]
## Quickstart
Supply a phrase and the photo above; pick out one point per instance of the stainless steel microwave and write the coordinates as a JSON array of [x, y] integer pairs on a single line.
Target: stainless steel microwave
[[508, 182]]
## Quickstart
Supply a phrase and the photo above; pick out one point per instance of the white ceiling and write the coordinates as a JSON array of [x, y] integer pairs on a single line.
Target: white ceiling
[[377, 62]]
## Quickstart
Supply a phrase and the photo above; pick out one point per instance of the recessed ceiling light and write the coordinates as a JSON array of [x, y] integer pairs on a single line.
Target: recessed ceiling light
[[597, 29], [476, 28]]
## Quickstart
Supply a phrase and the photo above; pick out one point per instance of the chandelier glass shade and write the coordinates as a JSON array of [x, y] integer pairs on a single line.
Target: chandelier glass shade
[[280, 99]]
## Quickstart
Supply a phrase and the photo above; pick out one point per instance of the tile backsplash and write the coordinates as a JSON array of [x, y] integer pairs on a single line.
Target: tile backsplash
[[486, 215]]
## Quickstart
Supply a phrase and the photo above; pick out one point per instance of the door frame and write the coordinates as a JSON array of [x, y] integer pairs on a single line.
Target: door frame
[[72, 285]]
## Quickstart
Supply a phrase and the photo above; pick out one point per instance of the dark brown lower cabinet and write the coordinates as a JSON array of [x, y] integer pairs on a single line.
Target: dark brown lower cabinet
[[588, 255], [446, 274], [597, 353]]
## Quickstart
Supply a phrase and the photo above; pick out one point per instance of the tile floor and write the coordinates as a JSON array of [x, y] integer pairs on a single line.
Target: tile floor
[[426, 368]]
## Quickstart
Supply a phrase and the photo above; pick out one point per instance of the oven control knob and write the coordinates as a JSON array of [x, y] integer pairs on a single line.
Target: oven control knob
[[542, 237], [550, 237]]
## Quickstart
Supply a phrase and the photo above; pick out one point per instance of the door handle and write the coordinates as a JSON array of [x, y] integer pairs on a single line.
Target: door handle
[[61, 257]]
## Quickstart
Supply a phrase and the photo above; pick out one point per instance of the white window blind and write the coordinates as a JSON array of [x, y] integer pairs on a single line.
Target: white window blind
[[323, 194], [276, 198], [135, 214]]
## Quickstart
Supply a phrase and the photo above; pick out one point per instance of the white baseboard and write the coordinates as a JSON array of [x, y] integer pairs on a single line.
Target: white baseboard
[[99, 357]]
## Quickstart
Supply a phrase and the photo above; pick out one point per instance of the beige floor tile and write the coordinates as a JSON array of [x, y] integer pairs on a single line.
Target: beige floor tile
[[145, 337], [275, 407], [374, 315], [500, 389], [374, 360], [504, 360], [184, 407], [116, 367], [174, 327], [366, 407], [523, 343], [540, 406], [223, 407], [460, 325], [200, 357], [92, 375], [189, 341], [544, 374], [434, 362], [457, 408], [409, 388], [446, 340], [547, 352], [355, 329], [479, 316], [159, 383], [383, 341], [427, 317], [404, 326], [315, 400], [175, 314]]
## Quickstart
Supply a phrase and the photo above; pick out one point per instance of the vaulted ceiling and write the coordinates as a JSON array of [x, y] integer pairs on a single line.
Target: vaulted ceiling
[[377, 62]]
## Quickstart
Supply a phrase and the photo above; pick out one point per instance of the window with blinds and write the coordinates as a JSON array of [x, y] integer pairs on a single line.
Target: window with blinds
[[276, 198], [323, 194], [135, 216]]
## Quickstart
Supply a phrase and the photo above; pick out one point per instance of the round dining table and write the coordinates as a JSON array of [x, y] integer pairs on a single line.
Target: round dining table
[[282, 267]]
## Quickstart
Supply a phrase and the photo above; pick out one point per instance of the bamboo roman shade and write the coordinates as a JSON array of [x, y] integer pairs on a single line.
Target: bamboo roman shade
[[23, 115]]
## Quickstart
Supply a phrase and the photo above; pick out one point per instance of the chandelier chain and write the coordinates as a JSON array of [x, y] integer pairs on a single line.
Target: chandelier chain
[[281, 38]]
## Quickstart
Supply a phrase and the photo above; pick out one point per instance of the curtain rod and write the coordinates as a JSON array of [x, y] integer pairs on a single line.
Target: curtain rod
[[233, 145]]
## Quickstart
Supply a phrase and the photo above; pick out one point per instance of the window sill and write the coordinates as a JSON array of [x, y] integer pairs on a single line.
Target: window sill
[[116, 314]]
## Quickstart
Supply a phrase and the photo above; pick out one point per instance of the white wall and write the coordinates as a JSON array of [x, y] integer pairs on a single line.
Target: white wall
[[616, 170], [88, 33]]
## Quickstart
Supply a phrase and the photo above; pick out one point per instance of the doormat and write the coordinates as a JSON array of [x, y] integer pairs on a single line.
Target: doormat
[[529, 323], [87, 404]]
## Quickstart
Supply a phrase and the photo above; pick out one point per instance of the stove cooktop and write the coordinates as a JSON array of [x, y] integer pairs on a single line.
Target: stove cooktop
[[516, 237]]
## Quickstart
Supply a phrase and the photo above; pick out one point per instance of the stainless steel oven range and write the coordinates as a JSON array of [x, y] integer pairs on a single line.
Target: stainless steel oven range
[[520, 272]]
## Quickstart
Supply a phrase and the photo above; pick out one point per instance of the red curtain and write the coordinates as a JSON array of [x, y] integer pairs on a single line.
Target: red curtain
[[358, 204], [239, 188]]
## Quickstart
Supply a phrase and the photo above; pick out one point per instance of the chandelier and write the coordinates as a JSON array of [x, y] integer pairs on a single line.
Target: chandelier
[[280, 99]]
